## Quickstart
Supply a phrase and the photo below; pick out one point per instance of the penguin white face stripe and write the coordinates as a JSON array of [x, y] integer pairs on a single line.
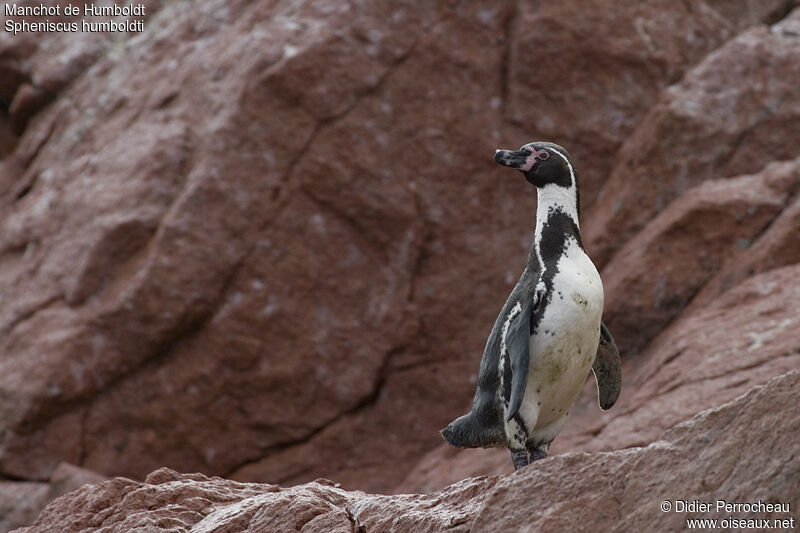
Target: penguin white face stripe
[[569, 165], [571, 179], [517, 309]]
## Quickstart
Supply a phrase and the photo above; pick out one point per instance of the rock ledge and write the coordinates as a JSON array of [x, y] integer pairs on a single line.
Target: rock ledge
[[744, 451]]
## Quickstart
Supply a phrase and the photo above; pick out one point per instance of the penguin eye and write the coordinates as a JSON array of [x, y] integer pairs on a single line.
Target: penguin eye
[[541, 156]]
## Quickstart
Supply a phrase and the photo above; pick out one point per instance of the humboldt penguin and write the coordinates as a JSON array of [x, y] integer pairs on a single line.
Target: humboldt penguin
[[549, 334]]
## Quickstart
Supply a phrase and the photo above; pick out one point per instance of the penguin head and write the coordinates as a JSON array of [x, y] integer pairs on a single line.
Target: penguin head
[[542, 163]]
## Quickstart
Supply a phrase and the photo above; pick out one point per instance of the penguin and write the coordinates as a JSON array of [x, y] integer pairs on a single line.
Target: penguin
[[549, 334]]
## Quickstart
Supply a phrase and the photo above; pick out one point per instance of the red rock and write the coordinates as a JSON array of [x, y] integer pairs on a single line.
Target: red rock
[[188, 271], [620, 490], [774, 248], [444, 465], [707, 126], [184, 501], [67, 477], [22, 501], [658, 272], [37, 66], [269, 241], [584, 73]]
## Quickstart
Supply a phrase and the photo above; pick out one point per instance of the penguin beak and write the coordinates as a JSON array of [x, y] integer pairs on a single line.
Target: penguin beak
[[512, 158]]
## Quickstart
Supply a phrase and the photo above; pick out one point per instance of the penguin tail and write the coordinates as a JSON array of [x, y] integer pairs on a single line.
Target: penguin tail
[[464, 432]]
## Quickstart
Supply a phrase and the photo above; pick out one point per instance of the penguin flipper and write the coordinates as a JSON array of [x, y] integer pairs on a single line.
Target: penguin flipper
[[607, 370], [517, 340]]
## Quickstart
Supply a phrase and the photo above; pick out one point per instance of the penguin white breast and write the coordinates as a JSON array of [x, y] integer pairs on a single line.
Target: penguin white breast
[[565, 342]]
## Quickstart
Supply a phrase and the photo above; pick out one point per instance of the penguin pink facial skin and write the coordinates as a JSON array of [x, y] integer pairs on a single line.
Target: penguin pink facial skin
[[536, 155], [523, 159]]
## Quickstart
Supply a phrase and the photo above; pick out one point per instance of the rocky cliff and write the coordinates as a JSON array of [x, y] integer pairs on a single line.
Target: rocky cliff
[[712, 454], [266, 240]]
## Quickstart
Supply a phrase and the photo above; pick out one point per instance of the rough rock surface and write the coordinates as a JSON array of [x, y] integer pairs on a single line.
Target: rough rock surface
[[710, 125], [586, 71], [266, 240], [706, 227], [21, 502], [746, 450]]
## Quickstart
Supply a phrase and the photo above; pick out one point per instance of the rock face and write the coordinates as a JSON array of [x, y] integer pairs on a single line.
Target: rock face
[[21, 501], [746, 450], [709, 125], [266, 240], [707, 228]]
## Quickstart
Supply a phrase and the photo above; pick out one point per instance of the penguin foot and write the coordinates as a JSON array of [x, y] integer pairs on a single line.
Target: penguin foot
[[519, 458], [538, 453]]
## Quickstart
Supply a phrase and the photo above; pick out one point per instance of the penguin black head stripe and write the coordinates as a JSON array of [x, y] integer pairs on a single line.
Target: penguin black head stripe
[[543, 163], [549, 334]]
